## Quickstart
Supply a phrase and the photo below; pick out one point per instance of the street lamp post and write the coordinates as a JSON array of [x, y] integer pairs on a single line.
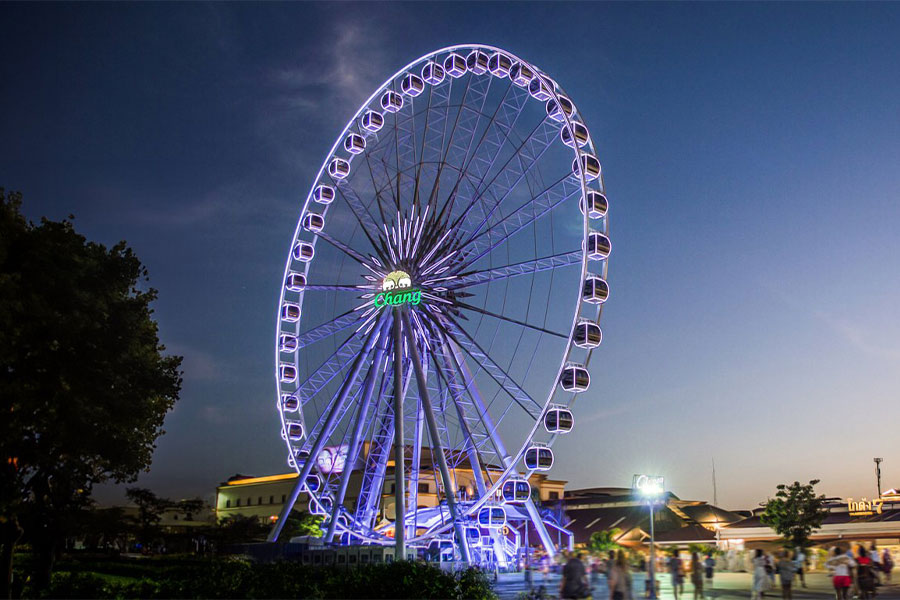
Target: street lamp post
[[650, 487], [878, 474]]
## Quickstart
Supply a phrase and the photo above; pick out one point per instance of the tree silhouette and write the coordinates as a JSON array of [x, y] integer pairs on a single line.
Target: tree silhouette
[[84, 381]]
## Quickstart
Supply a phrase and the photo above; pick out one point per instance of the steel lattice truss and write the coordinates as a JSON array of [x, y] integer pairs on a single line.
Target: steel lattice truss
[[440, 305]]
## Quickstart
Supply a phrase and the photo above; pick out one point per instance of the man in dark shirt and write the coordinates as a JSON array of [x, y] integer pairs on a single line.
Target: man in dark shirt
[[574, 579]]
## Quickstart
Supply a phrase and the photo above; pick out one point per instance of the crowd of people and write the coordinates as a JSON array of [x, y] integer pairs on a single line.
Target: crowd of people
[[854, 572]]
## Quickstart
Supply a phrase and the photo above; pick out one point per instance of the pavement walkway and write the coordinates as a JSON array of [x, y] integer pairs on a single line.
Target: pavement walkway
[[511, 586]]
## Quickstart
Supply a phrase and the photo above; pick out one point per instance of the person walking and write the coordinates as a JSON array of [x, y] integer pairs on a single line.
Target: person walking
[[574, 583], [697, 576], [800, 564], [887, 564], [709, 569], [876, 562], [676, 571], [761, 581], [866, 576], [786, 569], [620, 579], [840, 566]]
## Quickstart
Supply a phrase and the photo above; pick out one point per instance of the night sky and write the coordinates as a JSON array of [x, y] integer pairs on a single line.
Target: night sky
[[751, 154]]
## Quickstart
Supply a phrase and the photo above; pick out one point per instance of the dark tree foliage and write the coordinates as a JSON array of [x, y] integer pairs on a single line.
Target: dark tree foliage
[[301, 522], [150, 510], [238, 529], [795, 512], [84, 382]]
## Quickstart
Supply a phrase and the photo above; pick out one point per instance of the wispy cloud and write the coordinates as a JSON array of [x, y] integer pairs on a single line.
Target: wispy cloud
[[856, 335]]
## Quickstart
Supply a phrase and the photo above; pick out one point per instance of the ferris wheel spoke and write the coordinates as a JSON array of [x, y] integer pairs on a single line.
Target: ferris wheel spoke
[[509, 319], [517, 168], [518, 220], [437, 450], [470, 114], [320, 332], [493, 140], [495, 371], [363, 216], [354, 254], [353, 449], [456, 391], [472, 153], [526, 267]]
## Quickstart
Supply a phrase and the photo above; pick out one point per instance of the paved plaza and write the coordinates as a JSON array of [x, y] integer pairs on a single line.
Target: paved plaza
[[727, 585]]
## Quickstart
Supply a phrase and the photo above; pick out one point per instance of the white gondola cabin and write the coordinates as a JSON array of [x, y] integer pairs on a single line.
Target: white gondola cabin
[[516, 491], [598, 246], [339, 168], [575, 378], [559, 419], [290, 312], [575, 134], [323, 194], [477, 62], [313, 222], [595, 290], [499, 64], [590, 164], [521, 74], [560, 108], [587, 335], [412, 85], [455, 65], [597, 205], [294, 431], [355, 143], [295, 282], [473, 535], [391, 101], [491, 516], [540, 88], [288, 373], [304, 252], [433, 73], [372, 121], [290, 403], [539, 458], [287, 342], [313, 482]]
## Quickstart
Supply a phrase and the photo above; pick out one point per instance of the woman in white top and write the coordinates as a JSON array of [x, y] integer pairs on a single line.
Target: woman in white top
[[840, 565], [761, 581]]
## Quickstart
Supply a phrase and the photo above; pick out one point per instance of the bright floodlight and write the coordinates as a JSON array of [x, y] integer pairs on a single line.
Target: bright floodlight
[[649, 485]]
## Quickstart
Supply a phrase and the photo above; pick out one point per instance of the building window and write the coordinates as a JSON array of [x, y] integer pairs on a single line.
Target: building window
[[283, 498], [553, 495], [175, 517], [259, 500], [238, 502], [228, 504], [271, 499], [423, 488], [393, 488], [249, 501]]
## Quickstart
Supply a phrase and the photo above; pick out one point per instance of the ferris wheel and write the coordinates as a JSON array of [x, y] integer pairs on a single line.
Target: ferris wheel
[[439, 307]]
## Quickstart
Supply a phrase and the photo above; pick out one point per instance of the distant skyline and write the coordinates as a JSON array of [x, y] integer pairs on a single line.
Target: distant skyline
[[750, 153]]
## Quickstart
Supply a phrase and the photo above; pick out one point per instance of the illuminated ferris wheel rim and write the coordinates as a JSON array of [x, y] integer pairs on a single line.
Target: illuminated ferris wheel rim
[[568, 122]]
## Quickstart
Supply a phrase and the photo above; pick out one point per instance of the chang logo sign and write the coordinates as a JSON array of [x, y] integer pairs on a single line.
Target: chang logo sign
[[397, 290]]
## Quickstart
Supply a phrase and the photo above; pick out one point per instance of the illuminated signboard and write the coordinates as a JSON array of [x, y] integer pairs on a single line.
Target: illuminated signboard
[[649, 485], [396, 290], [863, 507], [331, 459]]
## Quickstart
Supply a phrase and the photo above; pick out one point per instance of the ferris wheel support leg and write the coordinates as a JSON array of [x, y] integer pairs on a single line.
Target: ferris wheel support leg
[[399, 459], [437, 449], [323, 438], [539, 526], [369, 386]]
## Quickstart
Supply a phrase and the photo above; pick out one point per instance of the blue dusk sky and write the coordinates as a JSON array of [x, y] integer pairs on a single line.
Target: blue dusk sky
[[751, 155]]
